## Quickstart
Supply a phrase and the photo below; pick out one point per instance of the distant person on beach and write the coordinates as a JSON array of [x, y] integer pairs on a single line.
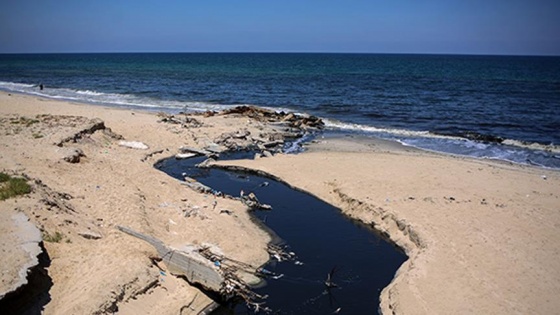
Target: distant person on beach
[[41, 86]]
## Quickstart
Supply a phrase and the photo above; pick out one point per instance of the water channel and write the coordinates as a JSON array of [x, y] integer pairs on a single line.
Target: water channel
[[322, 238]]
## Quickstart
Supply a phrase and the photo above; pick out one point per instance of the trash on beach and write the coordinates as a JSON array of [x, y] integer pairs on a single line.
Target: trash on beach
[[180, 119], [133, 145]]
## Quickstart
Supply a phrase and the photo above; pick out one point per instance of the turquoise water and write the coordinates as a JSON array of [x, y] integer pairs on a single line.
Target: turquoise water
[[499, 107]]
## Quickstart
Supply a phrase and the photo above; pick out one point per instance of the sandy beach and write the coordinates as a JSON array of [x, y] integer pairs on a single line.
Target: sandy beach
[[115, 185], [482, 236]]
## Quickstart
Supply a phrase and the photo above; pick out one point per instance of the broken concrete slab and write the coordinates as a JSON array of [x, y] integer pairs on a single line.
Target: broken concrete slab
[[19, 249], [185, 149], [215, 148], [197, 186], [185, 261]]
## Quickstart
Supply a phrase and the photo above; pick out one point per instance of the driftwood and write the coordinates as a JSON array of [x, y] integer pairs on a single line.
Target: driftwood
[[187, 262]]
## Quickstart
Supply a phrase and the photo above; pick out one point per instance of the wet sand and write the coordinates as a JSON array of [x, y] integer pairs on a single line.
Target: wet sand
[[482, 236]]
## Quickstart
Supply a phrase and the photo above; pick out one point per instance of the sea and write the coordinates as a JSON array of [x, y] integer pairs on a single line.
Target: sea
[[488, 107]]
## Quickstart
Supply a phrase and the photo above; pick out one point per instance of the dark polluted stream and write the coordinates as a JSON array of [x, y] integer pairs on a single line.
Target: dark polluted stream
[[324, 240]]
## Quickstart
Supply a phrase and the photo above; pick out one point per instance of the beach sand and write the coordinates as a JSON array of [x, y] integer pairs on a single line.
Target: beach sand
[[481, 236], [114, 185]]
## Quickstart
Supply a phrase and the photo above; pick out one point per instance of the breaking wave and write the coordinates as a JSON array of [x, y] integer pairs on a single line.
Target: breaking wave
[[516, 151], [547, 156], [114, 99]]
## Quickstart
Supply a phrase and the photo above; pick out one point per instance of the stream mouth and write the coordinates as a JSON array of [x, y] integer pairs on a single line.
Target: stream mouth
[[342, 265]]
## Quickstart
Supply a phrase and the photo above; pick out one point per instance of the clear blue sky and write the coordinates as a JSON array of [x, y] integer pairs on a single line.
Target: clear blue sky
[[387, 26]]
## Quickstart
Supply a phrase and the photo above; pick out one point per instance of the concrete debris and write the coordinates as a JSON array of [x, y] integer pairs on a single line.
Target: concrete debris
[[253, 202], [196, 151], [186, 262], [22, 240], [182, 156], [181, 119], [72, 155], [197, 186], [207, 266], [133, 145], [215, 148], [206, 163], [265, 115]]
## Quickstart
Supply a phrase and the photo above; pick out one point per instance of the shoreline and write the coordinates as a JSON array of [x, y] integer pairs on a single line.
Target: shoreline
[[525, 152], [371, 182]]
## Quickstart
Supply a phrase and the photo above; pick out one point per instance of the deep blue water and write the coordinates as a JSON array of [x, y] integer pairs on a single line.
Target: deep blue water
[[427, 101]]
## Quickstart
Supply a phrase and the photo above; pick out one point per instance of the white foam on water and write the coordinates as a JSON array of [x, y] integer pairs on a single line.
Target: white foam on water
[[510, 150], [533, 146], [15, 86], [117, 99], [337, 125]]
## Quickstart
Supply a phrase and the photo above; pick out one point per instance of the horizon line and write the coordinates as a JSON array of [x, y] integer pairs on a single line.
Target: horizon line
[[283, 52]]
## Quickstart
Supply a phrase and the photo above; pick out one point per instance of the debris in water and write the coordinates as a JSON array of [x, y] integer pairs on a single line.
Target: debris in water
[[267, 273], [253, 202], [329, 283], [280, 253]]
